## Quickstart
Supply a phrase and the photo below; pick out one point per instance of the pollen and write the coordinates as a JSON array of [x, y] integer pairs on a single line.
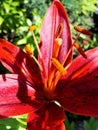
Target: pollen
[[32, 28], [58, 66], [82, 30], [28, 50]]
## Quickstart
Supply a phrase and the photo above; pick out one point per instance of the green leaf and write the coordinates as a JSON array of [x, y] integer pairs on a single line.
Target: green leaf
[[1, 20]]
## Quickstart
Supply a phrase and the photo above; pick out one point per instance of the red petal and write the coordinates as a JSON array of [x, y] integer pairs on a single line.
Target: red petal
[[81, 67], [16, 96], [81, 97], [49, 117], [55, 15], [16, 61]]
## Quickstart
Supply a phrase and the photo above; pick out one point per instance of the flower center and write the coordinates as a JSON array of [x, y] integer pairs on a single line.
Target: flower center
[[57, 69]]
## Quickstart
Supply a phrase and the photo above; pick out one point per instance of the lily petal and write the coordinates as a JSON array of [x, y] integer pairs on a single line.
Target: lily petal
[[82, 67], [55, 15], [49, 117], [81, 97], [16, 96], [16, 61]]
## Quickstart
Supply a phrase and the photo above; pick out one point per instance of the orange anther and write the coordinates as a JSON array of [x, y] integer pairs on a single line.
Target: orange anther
[[32, 28], [58, 66], [28, 50], [82, 30]]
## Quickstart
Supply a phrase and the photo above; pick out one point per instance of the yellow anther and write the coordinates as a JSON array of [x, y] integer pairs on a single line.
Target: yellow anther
[[30, 53], [82, 30], [77, 46], [59, 30], [28, 50], [57, 45], [58, 66], [32, 28]]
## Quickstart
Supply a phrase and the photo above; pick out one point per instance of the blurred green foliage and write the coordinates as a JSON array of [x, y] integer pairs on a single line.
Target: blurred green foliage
[[92, 124], [17, 15], [15, 123], [15, 18], [69, 125], [81, 11]]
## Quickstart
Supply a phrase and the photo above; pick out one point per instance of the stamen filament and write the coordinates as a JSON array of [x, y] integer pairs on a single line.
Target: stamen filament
[[38, 49], [36, 61], [58, 75], [78, 35], [32, 28], [70, 50], [51, 77], [77, 46], [30, 53]]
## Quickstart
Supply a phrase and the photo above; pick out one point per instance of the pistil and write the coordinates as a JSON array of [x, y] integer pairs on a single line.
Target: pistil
[[56, 49], [57, 45]]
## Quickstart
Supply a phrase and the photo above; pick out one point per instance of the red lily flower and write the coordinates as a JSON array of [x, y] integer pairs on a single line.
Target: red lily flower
[[56, 84]]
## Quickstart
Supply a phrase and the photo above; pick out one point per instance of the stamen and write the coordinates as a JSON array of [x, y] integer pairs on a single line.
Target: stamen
[[77, 46], [51, 76], [82, 30], [28, 50], [35, 41], [65, 58], [30, 53], [32, 28], [58, 66], [57, 45], [58, 75], [59, 30], [40, 67]]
